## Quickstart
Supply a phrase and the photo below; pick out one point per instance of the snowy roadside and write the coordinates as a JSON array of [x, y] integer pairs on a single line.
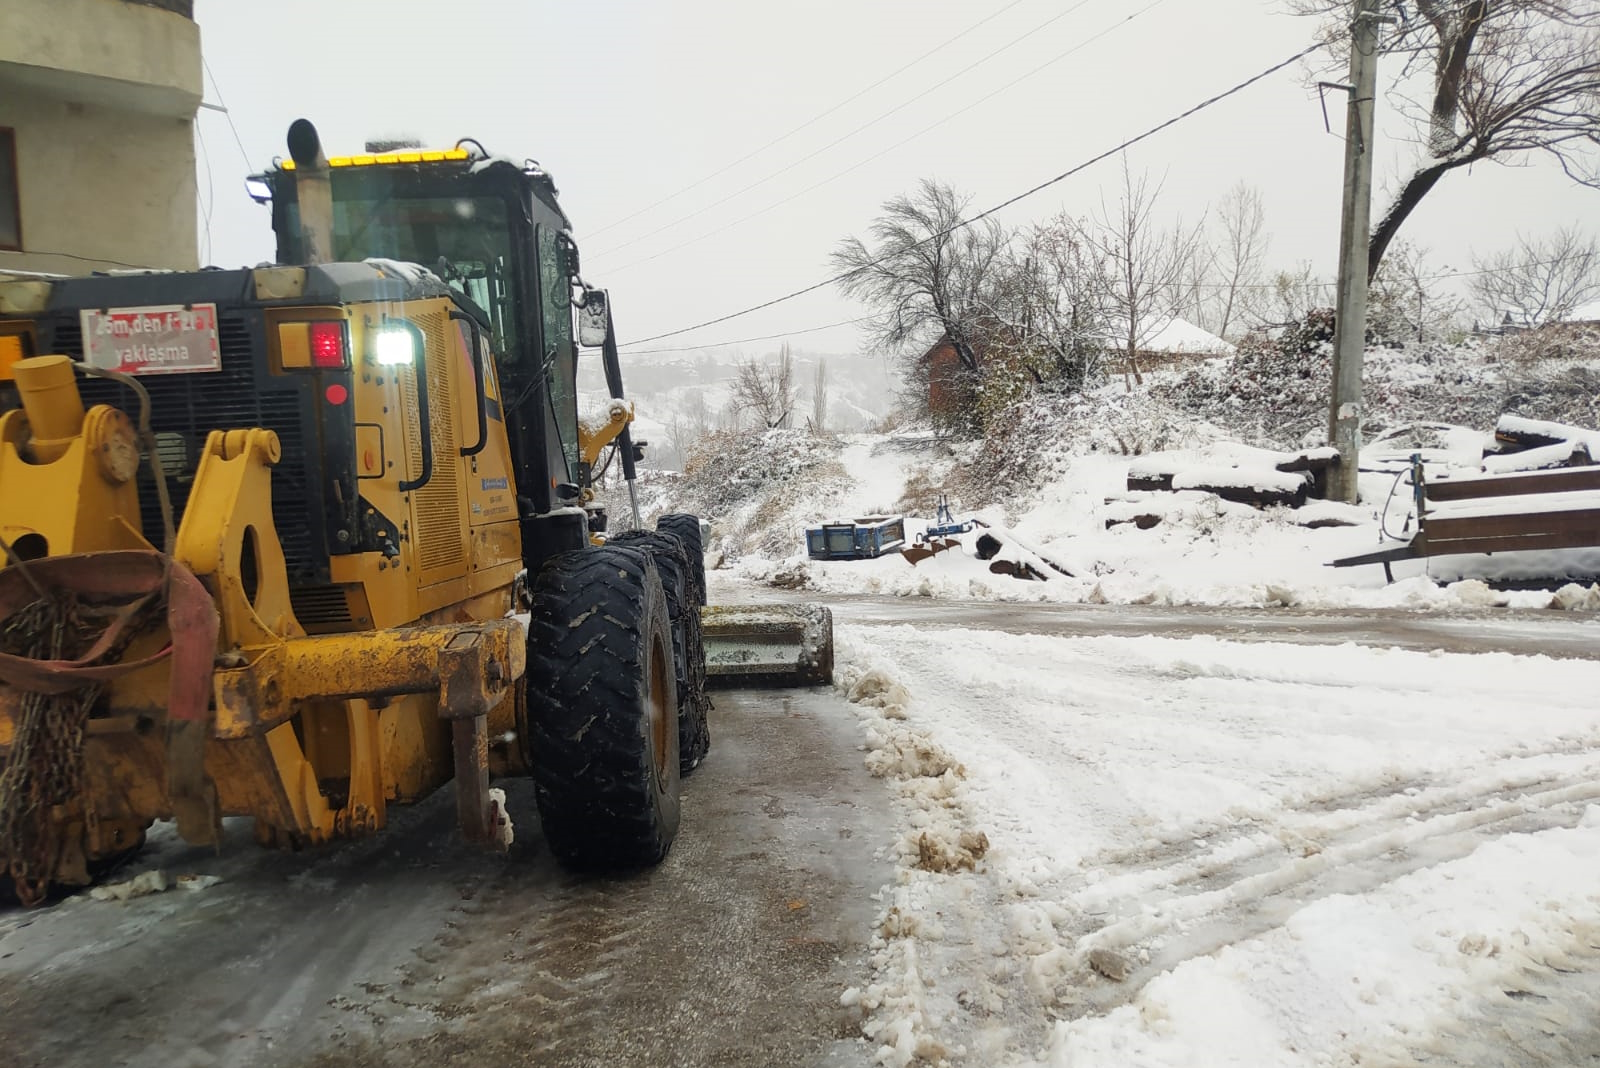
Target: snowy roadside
[[1096, 542], [1157, 851]]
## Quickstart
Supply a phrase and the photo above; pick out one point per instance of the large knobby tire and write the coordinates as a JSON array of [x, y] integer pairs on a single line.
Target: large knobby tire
[[603, 710], [688, 646], [687, 528]]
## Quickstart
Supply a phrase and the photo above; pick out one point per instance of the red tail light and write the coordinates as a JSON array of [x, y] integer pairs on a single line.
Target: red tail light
[[327, 346]]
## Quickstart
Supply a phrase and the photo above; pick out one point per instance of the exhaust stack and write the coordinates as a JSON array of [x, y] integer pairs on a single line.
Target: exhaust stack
[[314, 192]]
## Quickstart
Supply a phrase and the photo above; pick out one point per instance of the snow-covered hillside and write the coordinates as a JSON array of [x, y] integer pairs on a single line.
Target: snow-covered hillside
[[681, 396], [1051, 481]]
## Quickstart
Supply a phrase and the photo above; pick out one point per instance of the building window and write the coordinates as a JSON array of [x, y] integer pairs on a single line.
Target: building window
[[10, 212]]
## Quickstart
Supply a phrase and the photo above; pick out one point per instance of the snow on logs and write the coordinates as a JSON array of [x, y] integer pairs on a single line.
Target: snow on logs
[[1536, 445], [1258, 477]]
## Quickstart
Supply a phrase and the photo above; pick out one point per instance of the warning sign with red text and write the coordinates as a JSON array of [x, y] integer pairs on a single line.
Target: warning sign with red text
[[152, 341]]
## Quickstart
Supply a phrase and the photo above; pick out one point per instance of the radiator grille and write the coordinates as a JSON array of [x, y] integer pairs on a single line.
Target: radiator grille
[[186, 407], [320, 606]]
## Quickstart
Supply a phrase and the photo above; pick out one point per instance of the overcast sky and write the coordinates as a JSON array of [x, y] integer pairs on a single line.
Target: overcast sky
[[639, 107]]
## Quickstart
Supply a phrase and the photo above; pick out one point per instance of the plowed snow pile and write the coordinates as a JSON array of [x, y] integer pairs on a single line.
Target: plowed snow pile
[[1150, 851]]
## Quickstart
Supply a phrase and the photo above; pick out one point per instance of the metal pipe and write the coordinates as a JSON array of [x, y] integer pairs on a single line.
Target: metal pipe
[[613, 368], [314, 192], [50, 397]]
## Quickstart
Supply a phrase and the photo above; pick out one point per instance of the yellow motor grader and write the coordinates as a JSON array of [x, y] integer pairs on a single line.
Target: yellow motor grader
[[265, 534]]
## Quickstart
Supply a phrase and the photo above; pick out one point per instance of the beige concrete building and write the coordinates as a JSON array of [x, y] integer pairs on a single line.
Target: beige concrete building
[[97, 107]]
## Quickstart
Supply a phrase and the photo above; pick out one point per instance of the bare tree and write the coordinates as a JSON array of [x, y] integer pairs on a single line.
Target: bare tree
[[1144, 266], [1197, 286], [1405, 302], [819, 398], [1237, 256], [1508, 78], [696, 411], [926, 273], [1053, 304], [1293, 293], [680, 438], [765, 389], [1541, 280]]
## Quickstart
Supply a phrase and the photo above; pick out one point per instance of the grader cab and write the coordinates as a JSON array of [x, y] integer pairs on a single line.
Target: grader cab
[[265, 533]]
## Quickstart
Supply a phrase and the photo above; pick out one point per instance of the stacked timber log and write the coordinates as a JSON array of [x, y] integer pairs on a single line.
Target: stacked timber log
[[1259, 477], [1536, 445]]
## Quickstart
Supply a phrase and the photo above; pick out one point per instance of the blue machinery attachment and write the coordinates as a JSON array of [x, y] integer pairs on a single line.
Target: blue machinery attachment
[[859, 539], [944, 523], [873, 536]]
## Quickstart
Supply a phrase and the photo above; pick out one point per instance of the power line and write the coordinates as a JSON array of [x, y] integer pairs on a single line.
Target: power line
[[750, 340], [81, 259], [839, 140], [1294, 284], [708, 234], [248, 166], [807, 124], [210, 194], [1130, 142]]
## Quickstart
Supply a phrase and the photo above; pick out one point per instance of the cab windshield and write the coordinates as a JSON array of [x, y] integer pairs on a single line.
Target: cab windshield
[[467, 241], [464, 240]]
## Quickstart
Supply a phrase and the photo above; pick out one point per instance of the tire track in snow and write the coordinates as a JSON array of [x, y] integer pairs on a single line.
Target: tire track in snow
[[1233, 903], [730, 952], [1306, 787], [1205, 849]]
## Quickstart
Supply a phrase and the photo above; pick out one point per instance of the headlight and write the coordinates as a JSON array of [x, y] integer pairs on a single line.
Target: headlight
[[395, 345]]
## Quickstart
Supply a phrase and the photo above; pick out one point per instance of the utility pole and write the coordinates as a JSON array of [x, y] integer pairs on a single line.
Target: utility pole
[[1350, 319]]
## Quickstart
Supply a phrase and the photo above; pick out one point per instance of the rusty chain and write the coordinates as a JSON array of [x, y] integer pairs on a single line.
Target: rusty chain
[[45, 766]]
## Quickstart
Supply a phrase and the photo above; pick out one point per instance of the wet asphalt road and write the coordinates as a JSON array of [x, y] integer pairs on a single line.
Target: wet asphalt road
[[410, 949]]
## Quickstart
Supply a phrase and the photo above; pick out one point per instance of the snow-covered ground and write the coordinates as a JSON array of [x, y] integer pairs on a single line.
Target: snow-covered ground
[[1202, 550], [1146, 851], [1128, 851]]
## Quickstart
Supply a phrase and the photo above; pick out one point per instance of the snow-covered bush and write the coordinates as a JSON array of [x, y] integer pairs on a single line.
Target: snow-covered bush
[[739, 479], [1029, 444], [1552, 373], [659, 493], [759, 486], [1274, 391], [921, 493], [727, 468]]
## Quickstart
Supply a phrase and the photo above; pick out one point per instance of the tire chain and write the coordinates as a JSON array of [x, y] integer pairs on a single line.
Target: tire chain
[[45, 766]]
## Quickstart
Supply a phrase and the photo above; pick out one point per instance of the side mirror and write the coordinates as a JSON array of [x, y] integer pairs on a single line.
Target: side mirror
[[594, 319]]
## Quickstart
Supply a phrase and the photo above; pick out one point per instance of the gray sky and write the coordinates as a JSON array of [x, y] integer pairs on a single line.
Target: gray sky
[[628, 102]]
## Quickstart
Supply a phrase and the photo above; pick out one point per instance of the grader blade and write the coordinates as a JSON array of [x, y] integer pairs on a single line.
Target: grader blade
[[926, 549], [768, 645]]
